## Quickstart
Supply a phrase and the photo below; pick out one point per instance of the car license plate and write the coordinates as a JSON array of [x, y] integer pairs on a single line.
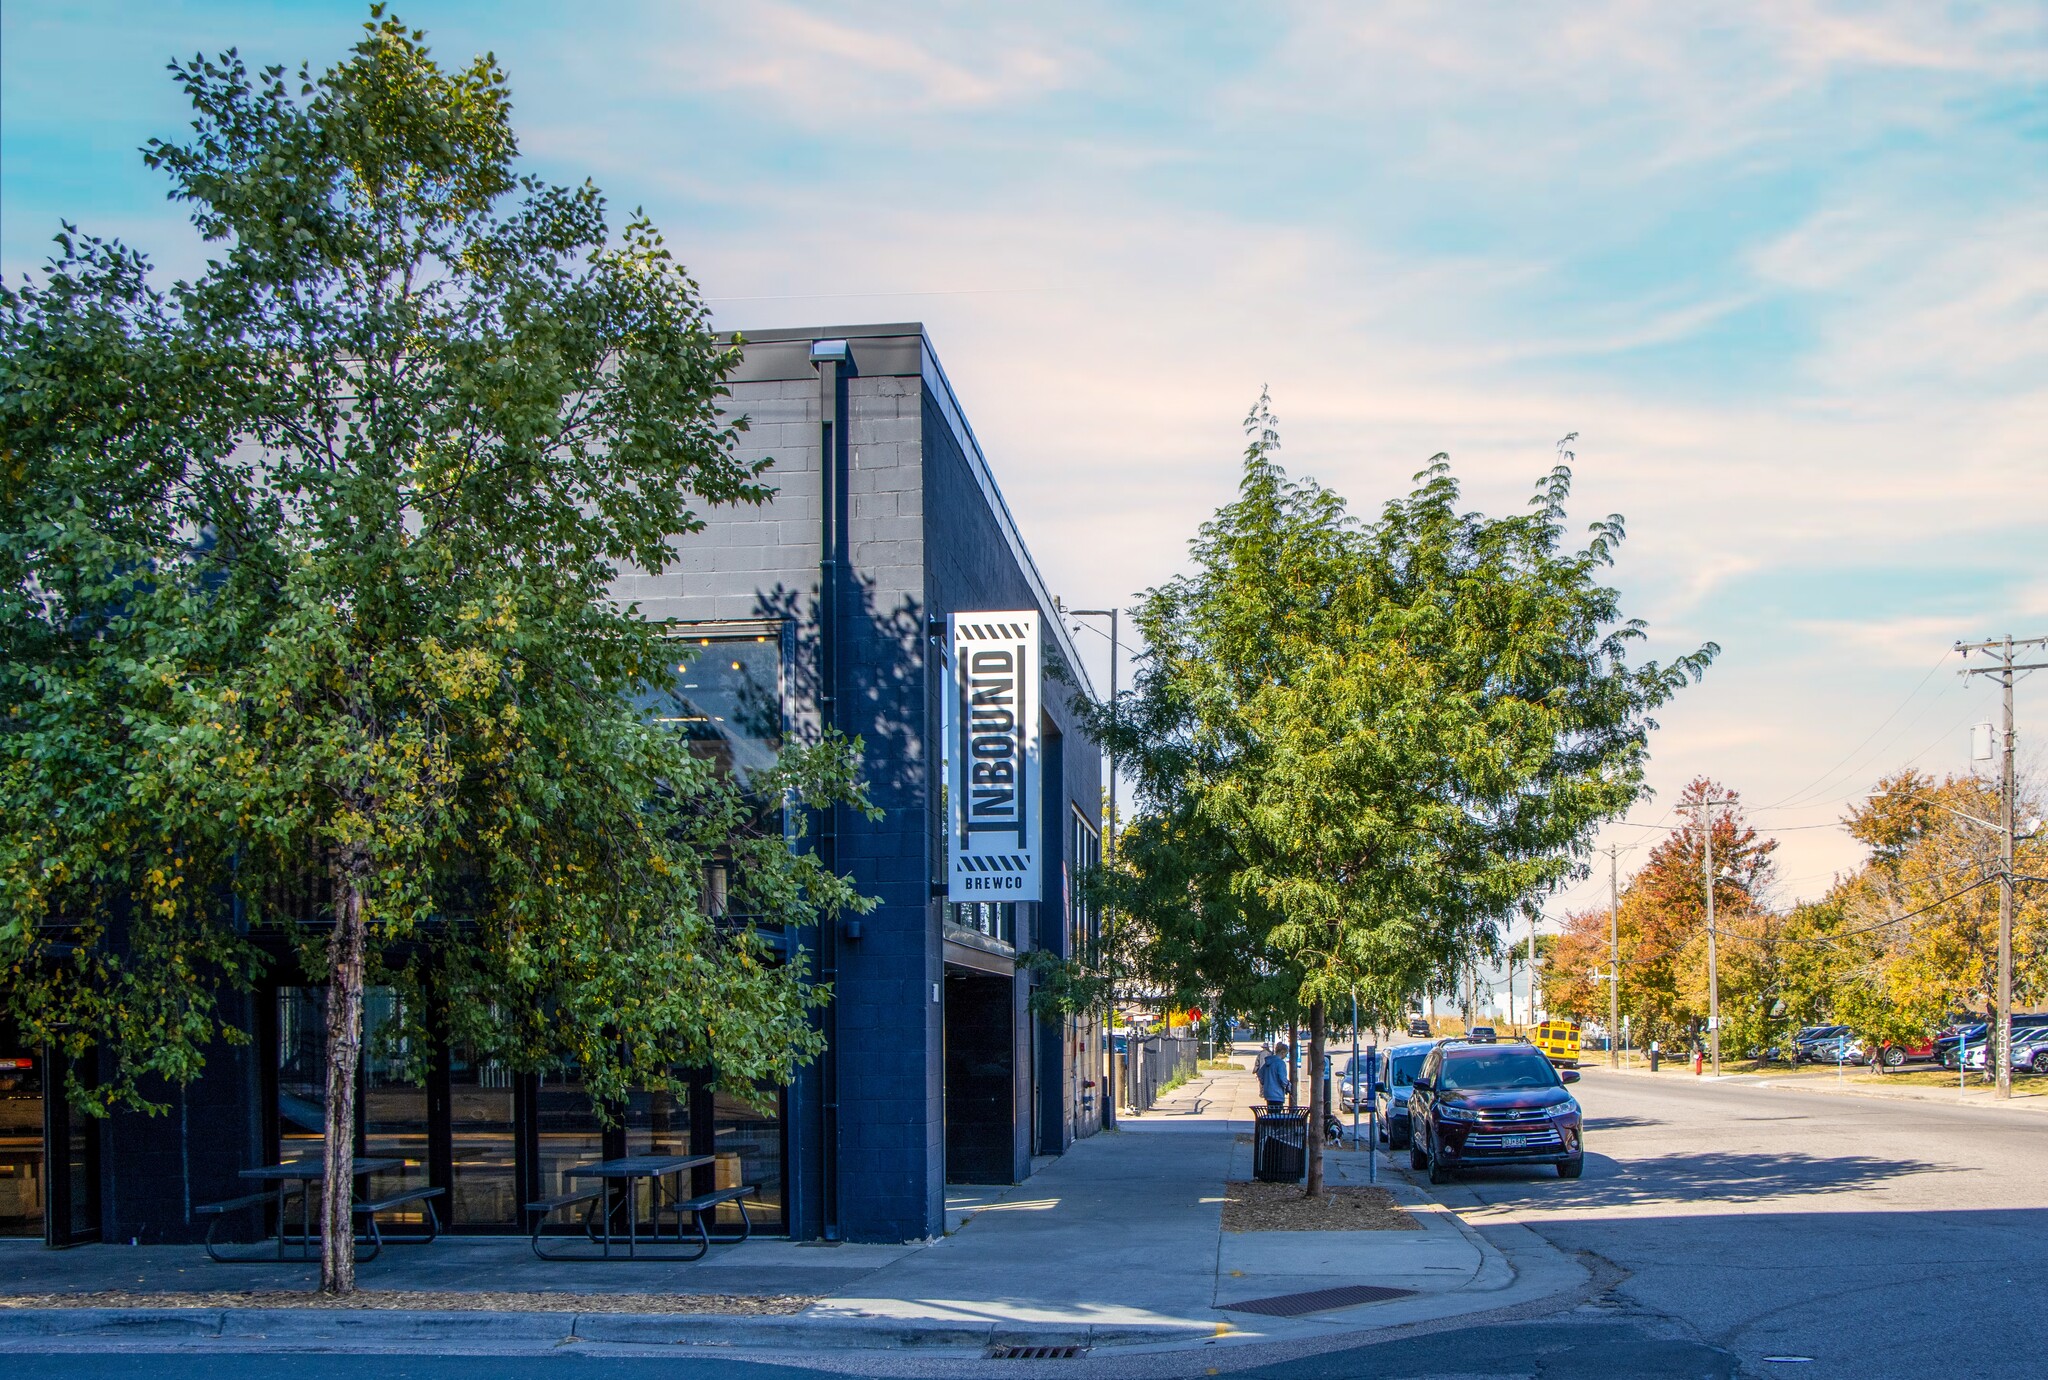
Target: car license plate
[[1514, 1142]]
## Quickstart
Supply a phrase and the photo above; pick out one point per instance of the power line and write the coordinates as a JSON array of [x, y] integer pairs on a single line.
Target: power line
[[1824, 776], [1894, 920]]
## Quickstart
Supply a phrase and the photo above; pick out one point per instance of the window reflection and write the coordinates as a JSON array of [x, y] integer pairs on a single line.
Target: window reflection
[[995, 920], [301, 1072], [21, 1140], [569, 1130], [394, 1110], [480, 1106], [726, 697], [748, 1143]]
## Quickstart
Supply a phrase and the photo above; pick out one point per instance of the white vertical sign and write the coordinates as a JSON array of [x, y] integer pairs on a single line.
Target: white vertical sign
[[994, 850]]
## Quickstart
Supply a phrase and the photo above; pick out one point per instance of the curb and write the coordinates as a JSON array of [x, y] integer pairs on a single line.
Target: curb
[[358, 1329]]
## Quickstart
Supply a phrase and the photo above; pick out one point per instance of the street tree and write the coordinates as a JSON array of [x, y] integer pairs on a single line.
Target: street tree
[[1360, 747], [308, 643]]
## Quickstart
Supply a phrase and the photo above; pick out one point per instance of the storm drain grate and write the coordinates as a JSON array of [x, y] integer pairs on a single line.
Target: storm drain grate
[[1033, 1353], [1317, 1300]]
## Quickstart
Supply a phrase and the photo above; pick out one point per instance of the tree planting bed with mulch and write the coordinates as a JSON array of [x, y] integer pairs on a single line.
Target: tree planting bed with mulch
[[1284, 1207], [423, 1300]]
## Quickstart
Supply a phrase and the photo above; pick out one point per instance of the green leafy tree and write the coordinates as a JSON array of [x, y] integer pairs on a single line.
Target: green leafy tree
[[307, 626], [1361, 747]]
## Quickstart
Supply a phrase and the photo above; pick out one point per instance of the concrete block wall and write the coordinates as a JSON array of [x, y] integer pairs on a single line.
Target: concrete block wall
[[754, 563]]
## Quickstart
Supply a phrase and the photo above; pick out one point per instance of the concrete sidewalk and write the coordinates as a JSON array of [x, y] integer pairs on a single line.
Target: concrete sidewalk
[[1119, 1243]]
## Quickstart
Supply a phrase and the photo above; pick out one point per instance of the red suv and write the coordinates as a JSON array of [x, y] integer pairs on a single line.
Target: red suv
[[1920, 1051], [1480, 1105]]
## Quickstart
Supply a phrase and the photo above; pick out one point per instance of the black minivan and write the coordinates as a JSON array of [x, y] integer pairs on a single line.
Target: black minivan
[[1480, 1105]]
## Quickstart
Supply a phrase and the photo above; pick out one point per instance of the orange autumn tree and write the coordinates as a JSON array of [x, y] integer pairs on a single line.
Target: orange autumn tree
[[1662, 933]]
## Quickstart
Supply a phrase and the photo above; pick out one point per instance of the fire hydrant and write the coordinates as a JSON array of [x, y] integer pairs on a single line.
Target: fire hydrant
[[1699, 1063]]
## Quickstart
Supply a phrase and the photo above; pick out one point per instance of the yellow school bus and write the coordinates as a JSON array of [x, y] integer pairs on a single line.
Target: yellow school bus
[[1559, 1041]]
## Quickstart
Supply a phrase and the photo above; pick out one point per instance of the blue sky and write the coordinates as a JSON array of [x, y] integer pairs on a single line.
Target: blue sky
[[1782, 265]]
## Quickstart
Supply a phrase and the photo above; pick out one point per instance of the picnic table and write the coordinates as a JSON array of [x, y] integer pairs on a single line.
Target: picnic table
[[306, 1173], [615, 1194]]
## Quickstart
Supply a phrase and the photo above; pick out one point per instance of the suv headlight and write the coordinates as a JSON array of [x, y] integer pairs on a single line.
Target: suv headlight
[[1569, 1105], [1451, 1113]]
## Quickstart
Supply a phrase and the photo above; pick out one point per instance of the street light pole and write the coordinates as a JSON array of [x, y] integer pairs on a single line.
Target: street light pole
[[1109, 847], [1613, 959]]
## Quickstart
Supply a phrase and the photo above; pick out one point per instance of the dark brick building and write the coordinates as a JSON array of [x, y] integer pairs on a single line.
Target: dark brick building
[[938, 1071]]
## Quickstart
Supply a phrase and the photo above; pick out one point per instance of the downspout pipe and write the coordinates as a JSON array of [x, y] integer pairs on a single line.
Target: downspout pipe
[[833, 361]]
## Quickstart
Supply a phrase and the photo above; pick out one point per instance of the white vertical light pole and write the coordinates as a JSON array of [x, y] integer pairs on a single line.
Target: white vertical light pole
[[1108, 859], [1613, 958]]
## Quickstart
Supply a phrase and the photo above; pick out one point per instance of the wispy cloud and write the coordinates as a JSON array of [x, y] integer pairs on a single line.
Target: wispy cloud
[[1780, 262], [831, 64]]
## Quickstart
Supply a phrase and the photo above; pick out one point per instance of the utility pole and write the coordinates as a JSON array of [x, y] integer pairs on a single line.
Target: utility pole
[[1713, 956], [2001, 1049], [1613, 958]]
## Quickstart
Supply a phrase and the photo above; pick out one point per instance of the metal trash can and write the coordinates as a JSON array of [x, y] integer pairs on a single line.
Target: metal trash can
[[1280, 1147]]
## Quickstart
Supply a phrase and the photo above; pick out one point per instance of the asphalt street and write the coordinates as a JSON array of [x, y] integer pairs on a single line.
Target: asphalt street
[[1877, 1238]]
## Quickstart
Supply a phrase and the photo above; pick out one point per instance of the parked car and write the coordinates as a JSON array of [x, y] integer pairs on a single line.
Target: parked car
[[1418, 1028], [1478, 1105], [1482, 1035], [1945, 1043], [1351, 1081], [1398, 1067], [1839, 1047], [2029, 1051], [1969, 1037], [1898, 1054]]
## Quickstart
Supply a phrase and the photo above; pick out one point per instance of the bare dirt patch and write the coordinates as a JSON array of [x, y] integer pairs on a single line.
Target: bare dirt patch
[[1283, 1207], [423, 1300]]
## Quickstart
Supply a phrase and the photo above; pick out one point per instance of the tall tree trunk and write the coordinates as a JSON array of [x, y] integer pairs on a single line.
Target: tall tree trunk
[[1318, 1110], [344, 1058]]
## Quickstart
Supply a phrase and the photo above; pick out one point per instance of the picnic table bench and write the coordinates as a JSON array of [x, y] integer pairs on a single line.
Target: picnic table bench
[[614, 1196], [306, 1173]]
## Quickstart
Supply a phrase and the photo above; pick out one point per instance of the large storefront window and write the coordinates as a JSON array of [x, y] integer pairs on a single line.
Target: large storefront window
[[301, 1072], [57, 1199], [483, 1143], [394, 1103], [570, 1133], [23, 1174], [726, 697], [748, 1142]]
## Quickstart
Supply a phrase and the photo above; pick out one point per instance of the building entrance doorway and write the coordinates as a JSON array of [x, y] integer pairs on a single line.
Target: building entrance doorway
[[981, 1078]]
